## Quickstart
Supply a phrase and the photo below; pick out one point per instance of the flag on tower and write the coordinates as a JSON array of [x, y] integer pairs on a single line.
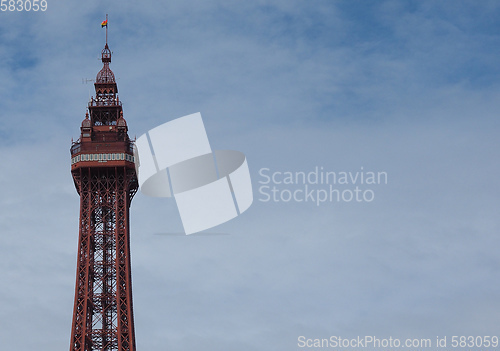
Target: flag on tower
[[104, 24]]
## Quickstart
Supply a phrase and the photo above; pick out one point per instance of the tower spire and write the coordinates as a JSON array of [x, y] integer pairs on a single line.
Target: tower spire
[[105, 75]]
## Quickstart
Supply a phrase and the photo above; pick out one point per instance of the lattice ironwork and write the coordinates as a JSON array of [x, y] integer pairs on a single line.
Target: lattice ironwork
[[103, 317], [106, 116], [105, 75]]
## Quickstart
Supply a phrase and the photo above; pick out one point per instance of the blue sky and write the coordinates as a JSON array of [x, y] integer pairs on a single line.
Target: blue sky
[[410, 88]]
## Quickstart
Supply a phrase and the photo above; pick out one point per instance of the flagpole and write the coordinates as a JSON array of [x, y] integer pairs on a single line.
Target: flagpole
[[106, 29]]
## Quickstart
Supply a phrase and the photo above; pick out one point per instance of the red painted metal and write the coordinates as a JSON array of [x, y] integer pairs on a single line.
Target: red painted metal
[[103, 170]]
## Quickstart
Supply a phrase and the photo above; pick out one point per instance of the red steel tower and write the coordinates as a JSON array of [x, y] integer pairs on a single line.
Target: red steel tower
[[103, 170]]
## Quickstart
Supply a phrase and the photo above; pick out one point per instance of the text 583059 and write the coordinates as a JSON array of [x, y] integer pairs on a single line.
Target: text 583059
[[23, 5]]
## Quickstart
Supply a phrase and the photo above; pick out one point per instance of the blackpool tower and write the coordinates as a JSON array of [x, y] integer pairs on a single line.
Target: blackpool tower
[[103, 170]]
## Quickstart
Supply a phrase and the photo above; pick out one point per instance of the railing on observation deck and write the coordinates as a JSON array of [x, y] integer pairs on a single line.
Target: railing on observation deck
[[76, 147], [104, 102]]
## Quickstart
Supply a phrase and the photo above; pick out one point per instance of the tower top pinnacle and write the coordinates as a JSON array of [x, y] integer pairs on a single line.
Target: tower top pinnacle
[[105, 75]]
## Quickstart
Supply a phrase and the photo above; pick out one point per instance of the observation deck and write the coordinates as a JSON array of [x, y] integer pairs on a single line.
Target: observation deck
[[105, 154]]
